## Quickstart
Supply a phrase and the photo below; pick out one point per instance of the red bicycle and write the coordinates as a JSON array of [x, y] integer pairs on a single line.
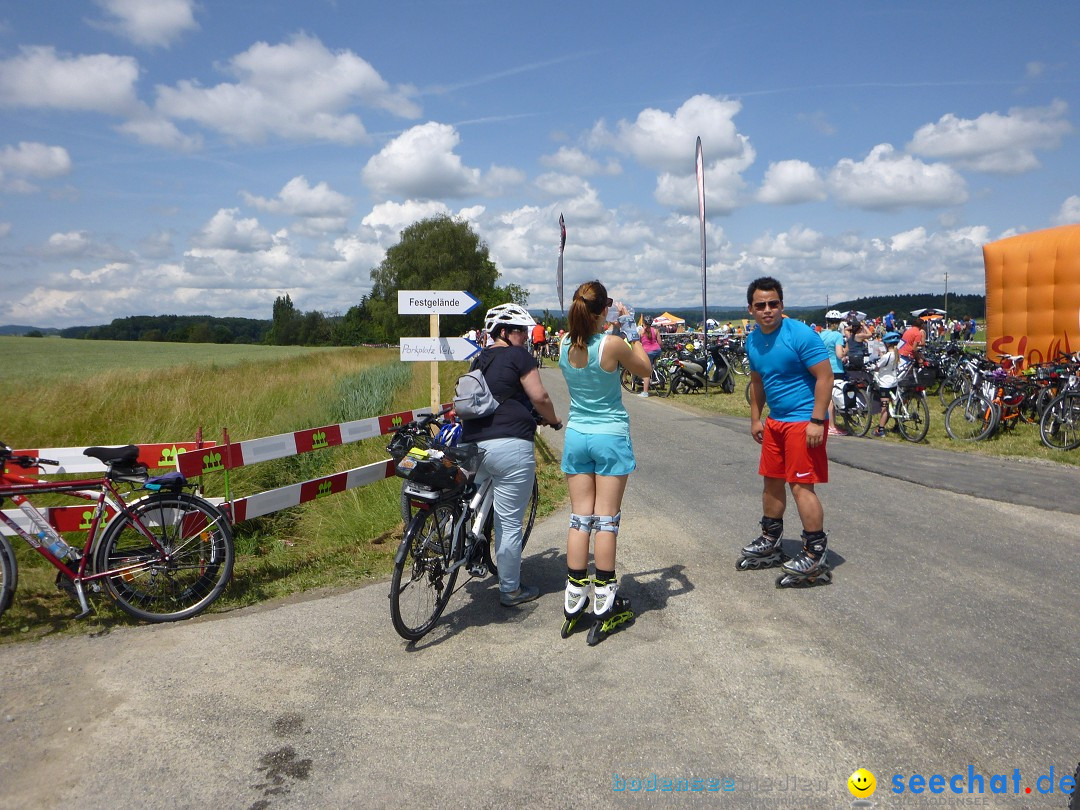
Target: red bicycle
[[163, 555]]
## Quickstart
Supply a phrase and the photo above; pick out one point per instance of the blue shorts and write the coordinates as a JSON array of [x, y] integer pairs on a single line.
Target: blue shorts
[[598, 453]]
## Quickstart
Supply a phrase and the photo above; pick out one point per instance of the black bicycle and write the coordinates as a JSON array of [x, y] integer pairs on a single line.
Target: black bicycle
[[451, 527], [438, 429]]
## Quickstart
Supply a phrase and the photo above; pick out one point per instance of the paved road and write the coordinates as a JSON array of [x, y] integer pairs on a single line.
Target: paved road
[[947, 640]]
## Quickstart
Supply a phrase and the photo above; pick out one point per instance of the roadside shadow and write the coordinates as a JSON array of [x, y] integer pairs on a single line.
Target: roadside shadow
[[651, 590], [477, 600]]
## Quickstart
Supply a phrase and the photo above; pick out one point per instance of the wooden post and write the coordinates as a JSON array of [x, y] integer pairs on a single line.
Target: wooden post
[[436, 400]]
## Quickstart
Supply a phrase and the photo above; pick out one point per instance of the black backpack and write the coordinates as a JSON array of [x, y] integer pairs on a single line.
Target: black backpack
[[856, 355]]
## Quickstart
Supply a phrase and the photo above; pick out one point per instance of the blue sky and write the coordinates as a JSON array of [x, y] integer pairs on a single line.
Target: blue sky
[[171, 156]]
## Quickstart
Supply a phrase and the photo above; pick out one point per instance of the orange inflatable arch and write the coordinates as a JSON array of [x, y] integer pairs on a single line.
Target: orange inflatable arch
[[1033, 294]]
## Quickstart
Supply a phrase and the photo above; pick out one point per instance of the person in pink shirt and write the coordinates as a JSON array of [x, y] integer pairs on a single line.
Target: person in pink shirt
[[650, 342]]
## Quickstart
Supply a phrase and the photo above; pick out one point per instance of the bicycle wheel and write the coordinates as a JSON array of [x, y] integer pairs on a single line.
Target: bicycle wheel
[[526, 528], [857, 418], [914, 417], [970, 419], [9, 574], [630, 382], [420, 586], [1059, 427], [178, 573]]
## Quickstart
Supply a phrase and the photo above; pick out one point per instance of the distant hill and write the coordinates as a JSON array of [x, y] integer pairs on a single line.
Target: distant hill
[[14, 329]]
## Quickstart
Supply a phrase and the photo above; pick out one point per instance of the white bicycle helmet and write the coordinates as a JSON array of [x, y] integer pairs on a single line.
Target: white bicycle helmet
[[507, 315], [834, 315]]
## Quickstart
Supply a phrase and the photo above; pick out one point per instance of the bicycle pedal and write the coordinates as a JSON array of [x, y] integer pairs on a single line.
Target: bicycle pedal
[[478, 570]]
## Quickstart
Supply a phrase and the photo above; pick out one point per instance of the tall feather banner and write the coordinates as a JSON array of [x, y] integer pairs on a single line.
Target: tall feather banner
[[558, 273], [701, 221]]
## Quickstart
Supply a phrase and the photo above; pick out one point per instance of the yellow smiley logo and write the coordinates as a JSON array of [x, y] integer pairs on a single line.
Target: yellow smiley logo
[[861, 784]]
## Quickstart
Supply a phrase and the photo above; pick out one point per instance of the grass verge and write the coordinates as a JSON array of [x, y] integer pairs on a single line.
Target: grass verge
[[334, 542]]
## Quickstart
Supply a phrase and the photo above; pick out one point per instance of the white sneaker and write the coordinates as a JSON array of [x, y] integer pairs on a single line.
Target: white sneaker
[[643, 394]]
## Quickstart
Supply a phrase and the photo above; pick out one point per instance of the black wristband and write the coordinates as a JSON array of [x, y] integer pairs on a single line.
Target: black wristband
[[815, 421]]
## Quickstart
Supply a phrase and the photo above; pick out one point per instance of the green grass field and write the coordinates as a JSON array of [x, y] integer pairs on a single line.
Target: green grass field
[[151, 392]]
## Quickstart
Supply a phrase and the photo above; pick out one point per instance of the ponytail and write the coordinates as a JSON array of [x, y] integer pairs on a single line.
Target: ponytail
[[590, 300]]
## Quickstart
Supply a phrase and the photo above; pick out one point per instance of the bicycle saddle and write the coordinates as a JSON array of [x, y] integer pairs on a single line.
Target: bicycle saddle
[[127, 454]]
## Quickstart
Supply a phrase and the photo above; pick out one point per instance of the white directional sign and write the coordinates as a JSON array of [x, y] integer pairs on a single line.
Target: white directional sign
[[436, 349], [434, 302]]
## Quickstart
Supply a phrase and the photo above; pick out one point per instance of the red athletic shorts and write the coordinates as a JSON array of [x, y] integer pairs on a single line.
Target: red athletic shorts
[[784, 454]]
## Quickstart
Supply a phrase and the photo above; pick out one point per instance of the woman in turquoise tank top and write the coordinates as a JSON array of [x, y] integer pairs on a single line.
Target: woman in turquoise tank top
[[597, 454]]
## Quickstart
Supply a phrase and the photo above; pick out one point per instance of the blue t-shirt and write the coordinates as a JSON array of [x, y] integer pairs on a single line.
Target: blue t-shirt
[[831, 338], [783, 359]]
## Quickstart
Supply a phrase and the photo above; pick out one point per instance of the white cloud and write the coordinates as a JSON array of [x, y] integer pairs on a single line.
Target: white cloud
[[1069, 213], [40, 78], [149, 24], [1003, 144], [38, 160], [573, 161], [5, 229], [914, 239], [322, 209], [421, 163], [297, 90], [398, 216], [225, 231], [665, 142], [154, 130], [70, 244], [796, 242], [887, 180], [791, 181], [724, 185], [35, 160]]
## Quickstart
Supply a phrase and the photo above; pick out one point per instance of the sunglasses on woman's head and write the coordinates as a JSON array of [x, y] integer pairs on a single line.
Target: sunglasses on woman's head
[[760, 306]]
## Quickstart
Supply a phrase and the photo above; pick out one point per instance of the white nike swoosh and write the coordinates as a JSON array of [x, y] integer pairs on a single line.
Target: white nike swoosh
[[801, 475]]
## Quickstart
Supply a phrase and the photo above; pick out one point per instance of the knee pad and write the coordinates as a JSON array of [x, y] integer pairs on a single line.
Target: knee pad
[[607, 523], [581, 523], [772, 527]]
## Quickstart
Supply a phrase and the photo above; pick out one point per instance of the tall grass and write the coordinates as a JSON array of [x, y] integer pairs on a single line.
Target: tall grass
[[334, 541]]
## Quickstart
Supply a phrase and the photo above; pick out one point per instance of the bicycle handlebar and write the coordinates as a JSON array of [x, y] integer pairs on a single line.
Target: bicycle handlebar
[[26, 462]]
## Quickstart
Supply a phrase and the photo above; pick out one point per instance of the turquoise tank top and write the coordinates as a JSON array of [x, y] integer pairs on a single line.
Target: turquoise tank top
[[595, 395]]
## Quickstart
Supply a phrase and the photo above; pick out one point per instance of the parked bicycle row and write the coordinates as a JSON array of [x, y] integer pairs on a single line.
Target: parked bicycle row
[[979, 397]]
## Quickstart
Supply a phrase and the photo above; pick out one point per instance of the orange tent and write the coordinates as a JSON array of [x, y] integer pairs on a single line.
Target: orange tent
[[1033, 294]]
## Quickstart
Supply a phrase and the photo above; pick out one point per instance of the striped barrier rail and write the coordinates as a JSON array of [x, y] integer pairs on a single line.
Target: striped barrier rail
[[194, 459]]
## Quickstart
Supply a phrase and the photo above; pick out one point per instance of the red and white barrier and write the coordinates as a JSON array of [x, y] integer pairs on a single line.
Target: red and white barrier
[[230, 456], [194, 459]]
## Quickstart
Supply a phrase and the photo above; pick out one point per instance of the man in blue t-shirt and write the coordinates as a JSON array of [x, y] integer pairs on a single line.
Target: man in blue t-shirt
[[790, 370]]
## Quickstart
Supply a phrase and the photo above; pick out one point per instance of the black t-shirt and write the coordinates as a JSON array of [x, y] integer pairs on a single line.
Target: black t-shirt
[[504, 367]]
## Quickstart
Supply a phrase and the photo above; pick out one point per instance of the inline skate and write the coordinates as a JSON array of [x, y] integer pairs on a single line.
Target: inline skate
[[610, 611], [575, 603], [766, 551], [810, 566]]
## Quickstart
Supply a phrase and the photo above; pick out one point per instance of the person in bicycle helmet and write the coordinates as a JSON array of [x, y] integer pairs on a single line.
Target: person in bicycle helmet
[[885, 370], [507, 435]]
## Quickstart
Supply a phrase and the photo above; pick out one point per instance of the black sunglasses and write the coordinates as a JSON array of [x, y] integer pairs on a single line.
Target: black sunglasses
[[760, 306]]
